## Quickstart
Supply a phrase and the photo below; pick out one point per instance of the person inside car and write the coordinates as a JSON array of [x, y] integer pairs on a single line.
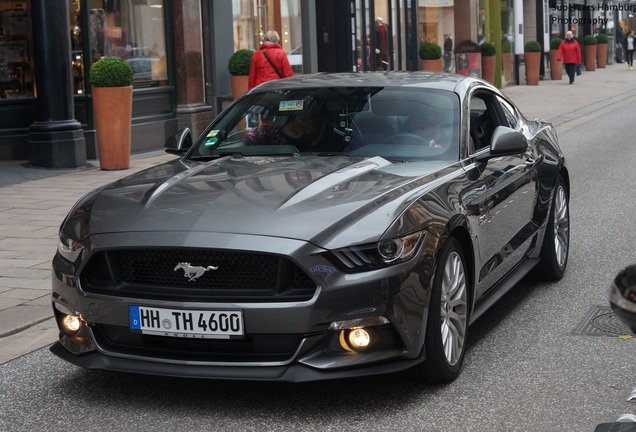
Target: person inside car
[[428, 126]]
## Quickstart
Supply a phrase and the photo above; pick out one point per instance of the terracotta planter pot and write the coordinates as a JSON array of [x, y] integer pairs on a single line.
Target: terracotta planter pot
[[112, 108], [533, 62], [590, 58], [432, 65], [556, 66], [601, 56], [488, 68], [507, 65], [239, 85]]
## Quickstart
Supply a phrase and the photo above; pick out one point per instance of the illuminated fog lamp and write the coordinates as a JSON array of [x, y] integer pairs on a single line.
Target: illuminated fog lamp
[[359, 339], [71, 324]]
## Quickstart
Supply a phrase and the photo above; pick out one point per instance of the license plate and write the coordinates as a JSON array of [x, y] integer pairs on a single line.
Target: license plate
[[211, 324]]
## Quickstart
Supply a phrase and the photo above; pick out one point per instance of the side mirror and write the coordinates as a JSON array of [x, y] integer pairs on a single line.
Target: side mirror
[[179, 143], [505, 141]]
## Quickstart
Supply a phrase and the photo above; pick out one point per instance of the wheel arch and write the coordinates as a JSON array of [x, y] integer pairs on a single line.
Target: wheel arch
[[563, 172], [458, 228]]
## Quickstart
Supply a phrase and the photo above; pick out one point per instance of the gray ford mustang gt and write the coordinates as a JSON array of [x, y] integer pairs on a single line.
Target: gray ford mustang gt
[[324, 226]]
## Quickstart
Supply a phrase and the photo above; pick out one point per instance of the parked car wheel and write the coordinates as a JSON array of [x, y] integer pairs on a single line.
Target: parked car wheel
[[556, 244], [447, 325]]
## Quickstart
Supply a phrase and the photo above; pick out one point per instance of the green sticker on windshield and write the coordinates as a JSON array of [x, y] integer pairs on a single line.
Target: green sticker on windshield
[[290, 105], [211, 138]]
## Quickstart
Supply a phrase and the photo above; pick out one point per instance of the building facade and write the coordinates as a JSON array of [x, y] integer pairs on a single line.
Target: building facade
[[178, 50]]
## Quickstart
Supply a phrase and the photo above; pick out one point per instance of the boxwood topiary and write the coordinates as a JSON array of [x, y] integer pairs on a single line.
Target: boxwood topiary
[[239, 62], [430, 51], [488, 49], [555, 43], [589, 40], [111, 72], [506, 46], [601, 38], [532, 46]]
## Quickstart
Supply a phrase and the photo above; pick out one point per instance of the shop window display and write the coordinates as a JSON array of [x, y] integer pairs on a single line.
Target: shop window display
[[16, 77], [132, 31]]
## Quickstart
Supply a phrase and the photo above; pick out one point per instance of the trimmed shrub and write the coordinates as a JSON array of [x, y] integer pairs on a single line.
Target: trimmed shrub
[[555, 43], [488, 49], [430, 51], [589, 40], [111, 72], [239, 62], [506, 46], [532, 46], [601, 38]]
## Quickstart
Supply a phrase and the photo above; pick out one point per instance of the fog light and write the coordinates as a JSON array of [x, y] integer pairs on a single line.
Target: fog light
[[359, 338], [71, 324]]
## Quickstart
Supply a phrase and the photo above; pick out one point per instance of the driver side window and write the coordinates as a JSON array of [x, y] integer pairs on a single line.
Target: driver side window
[[484, 119]]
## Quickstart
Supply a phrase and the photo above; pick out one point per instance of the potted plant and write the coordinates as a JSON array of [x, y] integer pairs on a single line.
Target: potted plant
[[507, 59], [431, 55], [556, 66], [239, 67], [532, 57], [488, 60], [589, 41], [111, 78], [601, 50]]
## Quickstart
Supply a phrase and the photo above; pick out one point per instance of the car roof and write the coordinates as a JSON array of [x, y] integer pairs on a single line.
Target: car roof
[[423, 79]]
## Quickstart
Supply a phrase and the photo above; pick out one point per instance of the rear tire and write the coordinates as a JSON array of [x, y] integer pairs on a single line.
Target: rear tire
[[447, 322], [556, 242]]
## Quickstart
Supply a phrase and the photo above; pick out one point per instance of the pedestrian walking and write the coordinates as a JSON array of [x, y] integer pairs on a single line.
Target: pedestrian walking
[[629, 44], [269, 62], [570, 53], [620, 37], [448, 53]]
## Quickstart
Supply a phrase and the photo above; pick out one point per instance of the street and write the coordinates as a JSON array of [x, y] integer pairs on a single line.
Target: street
[[529, 366]]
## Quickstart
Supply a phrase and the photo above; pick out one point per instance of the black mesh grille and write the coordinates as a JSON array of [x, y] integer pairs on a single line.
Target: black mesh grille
[[258, 347], [156, 273]]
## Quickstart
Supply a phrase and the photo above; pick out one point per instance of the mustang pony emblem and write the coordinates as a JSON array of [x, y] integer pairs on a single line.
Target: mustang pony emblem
[[193, 272]]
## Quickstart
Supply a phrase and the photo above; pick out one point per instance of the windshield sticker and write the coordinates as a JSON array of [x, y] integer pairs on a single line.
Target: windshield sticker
[[211, 138], [290, 105]]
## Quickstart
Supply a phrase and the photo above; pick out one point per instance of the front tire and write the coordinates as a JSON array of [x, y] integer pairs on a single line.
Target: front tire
[[447, 323], [556, 242]]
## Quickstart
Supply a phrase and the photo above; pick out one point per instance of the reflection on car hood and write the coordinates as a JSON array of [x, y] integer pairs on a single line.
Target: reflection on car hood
[[309, 198]]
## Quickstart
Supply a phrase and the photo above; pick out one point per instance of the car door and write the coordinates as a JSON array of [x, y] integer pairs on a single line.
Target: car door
[[511, 183]]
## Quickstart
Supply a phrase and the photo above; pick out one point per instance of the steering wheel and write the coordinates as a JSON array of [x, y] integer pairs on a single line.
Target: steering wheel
[[408, 138]]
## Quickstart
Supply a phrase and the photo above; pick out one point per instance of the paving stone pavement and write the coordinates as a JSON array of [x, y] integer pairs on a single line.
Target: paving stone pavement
[[34, 202]]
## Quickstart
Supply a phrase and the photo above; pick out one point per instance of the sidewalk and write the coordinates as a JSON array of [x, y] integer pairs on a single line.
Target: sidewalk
[[34, 202]]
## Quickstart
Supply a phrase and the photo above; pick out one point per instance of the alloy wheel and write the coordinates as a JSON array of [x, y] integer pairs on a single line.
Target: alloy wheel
[[454, 308], [561, 226]]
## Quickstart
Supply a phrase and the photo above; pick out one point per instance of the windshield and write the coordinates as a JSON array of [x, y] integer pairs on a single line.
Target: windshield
[[398, 124]]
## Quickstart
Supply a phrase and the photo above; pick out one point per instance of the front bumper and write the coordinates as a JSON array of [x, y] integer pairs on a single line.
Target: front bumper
[[290, 373], [398, 293]]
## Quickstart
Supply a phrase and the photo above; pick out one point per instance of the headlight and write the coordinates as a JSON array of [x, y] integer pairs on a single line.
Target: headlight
[[68, 248], [399, 248], [377, 255]]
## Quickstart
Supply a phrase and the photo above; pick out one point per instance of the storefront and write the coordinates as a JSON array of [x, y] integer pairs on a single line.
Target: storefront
[[137, 31], [179, 49]]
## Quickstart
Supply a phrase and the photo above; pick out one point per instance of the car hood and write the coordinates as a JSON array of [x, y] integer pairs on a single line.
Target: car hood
[[307, 198]]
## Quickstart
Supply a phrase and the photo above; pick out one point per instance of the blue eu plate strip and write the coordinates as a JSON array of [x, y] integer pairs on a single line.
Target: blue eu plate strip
[[135, 322]]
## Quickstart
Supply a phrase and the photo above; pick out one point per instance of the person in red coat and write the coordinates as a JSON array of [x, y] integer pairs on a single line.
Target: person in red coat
[[570, 52], [269, 62]]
